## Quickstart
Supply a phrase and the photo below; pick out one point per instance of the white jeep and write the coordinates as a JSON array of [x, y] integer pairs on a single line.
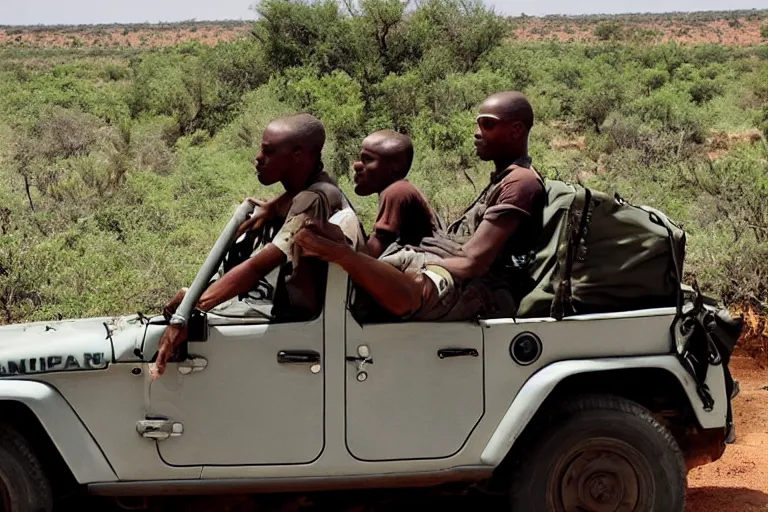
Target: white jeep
[[588, 413]]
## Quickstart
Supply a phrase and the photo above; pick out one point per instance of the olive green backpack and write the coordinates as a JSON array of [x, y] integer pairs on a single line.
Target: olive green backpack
[[598, 253]]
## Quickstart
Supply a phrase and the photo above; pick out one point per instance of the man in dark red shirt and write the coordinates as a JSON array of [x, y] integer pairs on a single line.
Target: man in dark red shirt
[[469, 272], [404, 215]]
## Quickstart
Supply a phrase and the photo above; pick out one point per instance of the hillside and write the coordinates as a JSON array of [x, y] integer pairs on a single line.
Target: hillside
[[726, 27], [119, 165]]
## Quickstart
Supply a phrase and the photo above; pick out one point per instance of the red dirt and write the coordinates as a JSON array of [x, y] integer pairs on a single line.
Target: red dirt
[[684, 29], [118, 36], [693, 28], [738, 482]]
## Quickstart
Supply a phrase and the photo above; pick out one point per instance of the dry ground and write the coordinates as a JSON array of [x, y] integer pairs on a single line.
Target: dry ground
[[737, 28], [739, 481]]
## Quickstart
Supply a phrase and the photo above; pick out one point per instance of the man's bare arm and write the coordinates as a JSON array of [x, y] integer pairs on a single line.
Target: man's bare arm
[[482, 248], [379, 241], [395, 291], [241, 278], [238, 280]]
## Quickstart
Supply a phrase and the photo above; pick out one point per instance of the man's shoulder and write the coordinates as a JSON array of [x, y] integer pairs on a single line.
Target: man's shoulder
[[523, 176], [523, 179], [401, 188], [320, 197]]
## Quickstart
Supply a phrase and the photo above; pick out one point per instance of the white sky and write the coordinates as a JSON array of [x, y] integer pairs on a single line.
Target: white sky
[[48, 12]]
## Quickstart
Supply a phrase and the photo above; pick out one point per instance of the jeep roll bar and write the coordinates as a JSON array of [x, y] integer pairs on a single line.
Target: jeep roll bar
[[206, 272]]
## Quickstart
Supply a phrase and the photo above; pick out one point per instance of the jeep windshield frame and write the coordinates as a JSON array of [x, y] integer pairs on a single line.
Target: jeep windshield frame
[[211, 264]]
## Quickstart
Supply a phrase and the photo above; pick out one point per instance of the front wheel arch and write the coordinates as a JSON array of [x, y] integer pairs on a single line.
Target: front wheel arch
[[24, 484], [20, 418]]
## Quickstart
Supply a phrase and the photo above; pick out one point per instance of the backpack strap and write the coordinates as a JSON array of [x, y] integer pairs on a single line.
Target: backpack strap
[[562, 304], [694, 333]]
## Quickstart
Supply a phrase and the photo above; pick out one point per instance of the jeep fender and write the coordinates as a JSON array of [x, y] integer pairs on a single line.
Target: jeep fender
[[540, 385], [68, 434]]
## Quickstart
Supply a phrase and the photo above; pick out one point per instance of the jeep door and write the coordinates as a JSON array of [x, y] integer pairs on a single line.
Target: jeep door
[[421, 394], [258, 400]]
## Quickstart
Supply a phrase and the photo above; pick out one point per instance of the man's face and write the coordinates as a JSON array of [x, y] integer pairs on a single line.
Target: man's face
[[495, 133], [373, 171], [276, 157]]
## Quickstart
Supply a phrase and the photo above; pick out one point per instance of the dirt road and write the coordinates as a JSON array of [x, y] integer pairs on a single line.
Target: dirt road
[[739, 481]]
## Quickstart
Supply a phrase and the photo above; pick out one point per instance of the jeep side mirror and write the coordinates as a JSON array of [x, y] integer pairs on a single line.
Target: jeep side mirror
[[197, 326]]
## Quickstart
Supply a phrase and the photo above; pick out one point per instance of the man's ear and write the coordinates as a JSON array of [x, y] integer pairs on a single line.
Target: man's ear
[[517, 130], [401, 167], [297, 153]]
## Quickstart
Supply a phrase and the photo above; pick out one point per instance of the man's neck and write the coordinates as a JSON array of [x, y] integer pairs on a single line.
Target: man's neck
[[503, 164], [300, 181], [387, 186]]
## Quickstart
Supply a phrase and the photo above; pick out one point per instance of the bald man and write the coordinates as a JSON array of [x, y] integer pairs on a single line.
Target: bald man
[[291, 155], [404, 215], [479, 268]]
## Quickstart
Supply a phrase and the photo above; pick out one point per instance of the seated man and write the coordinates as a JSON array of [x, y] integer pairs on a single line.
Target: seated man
[[291, 154], [404, 214], [475, 270]]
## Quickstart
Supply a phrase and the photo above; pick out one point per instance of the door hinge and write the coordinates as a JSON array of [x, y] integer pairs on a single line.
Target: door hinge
[[159, 428]]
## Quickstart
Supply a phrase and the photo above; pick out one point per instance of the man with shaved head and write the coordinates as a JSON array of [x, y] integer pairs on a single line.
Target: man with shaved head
[[479, 267], [404, 214], [290, 154]]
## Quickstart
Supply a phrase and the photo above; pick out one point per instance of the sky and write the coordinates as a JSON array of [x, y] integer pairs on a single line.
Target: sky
[[74, 12]]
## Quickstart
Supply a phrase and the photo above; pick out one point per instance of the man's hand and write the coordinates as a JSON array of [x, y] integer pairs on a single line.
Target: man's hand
[[322, 240], [264, 212], [172, 338], [170, 308]]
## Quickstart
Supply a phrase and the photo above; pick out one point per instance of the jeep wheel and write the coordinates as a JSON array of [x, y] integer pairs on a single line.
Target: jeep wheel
[[23, 485], [598, 454]]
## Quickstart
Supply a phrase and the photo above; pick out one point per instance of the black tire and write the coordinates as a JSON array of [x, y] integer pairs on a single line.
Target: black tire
[[23, 484], [594, 452]]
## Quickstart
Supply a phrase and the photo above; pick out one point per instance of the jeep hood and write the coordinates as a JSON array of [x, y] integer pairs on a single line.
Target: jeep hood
[[67, 345]]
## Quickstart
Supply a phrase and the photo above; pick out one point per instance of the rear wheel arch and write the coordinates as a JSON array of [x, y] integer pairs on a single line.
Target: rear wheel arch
[[596, 452], [656, 389]]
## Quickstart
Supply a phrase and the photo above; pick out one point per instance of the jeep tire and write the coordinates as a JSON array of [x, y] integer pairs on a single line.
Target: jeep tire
[[23, 484], [599, 453]]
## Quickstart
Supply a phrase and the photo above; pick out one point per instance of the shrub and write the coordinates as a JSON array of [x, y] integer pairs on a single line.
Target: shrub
[[114, 72], [737, 191], [704, 90], [609, 31], [764, 31], [654, 78]]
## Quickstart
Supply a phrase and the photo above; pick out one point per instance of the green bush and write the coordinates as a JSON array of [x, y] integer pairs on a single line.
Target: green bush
[[609, 31], [118, 167], [764, 30], [704, 90], [655, 78]]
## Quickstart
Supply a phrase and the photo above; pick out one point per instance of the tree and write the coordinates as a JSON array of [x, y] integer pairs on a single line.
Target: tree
[[609, 31]]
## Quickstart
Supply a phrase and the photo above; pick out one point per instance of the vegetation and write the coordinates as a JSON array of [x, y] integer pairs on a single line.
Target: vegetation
[[119, 166], [609, 30]]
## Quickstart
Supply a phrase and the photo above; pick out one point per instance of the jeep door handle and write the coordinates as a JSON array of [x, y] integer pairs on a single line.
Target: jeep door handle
[[456, 352], [298, 357], [192, 364]]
